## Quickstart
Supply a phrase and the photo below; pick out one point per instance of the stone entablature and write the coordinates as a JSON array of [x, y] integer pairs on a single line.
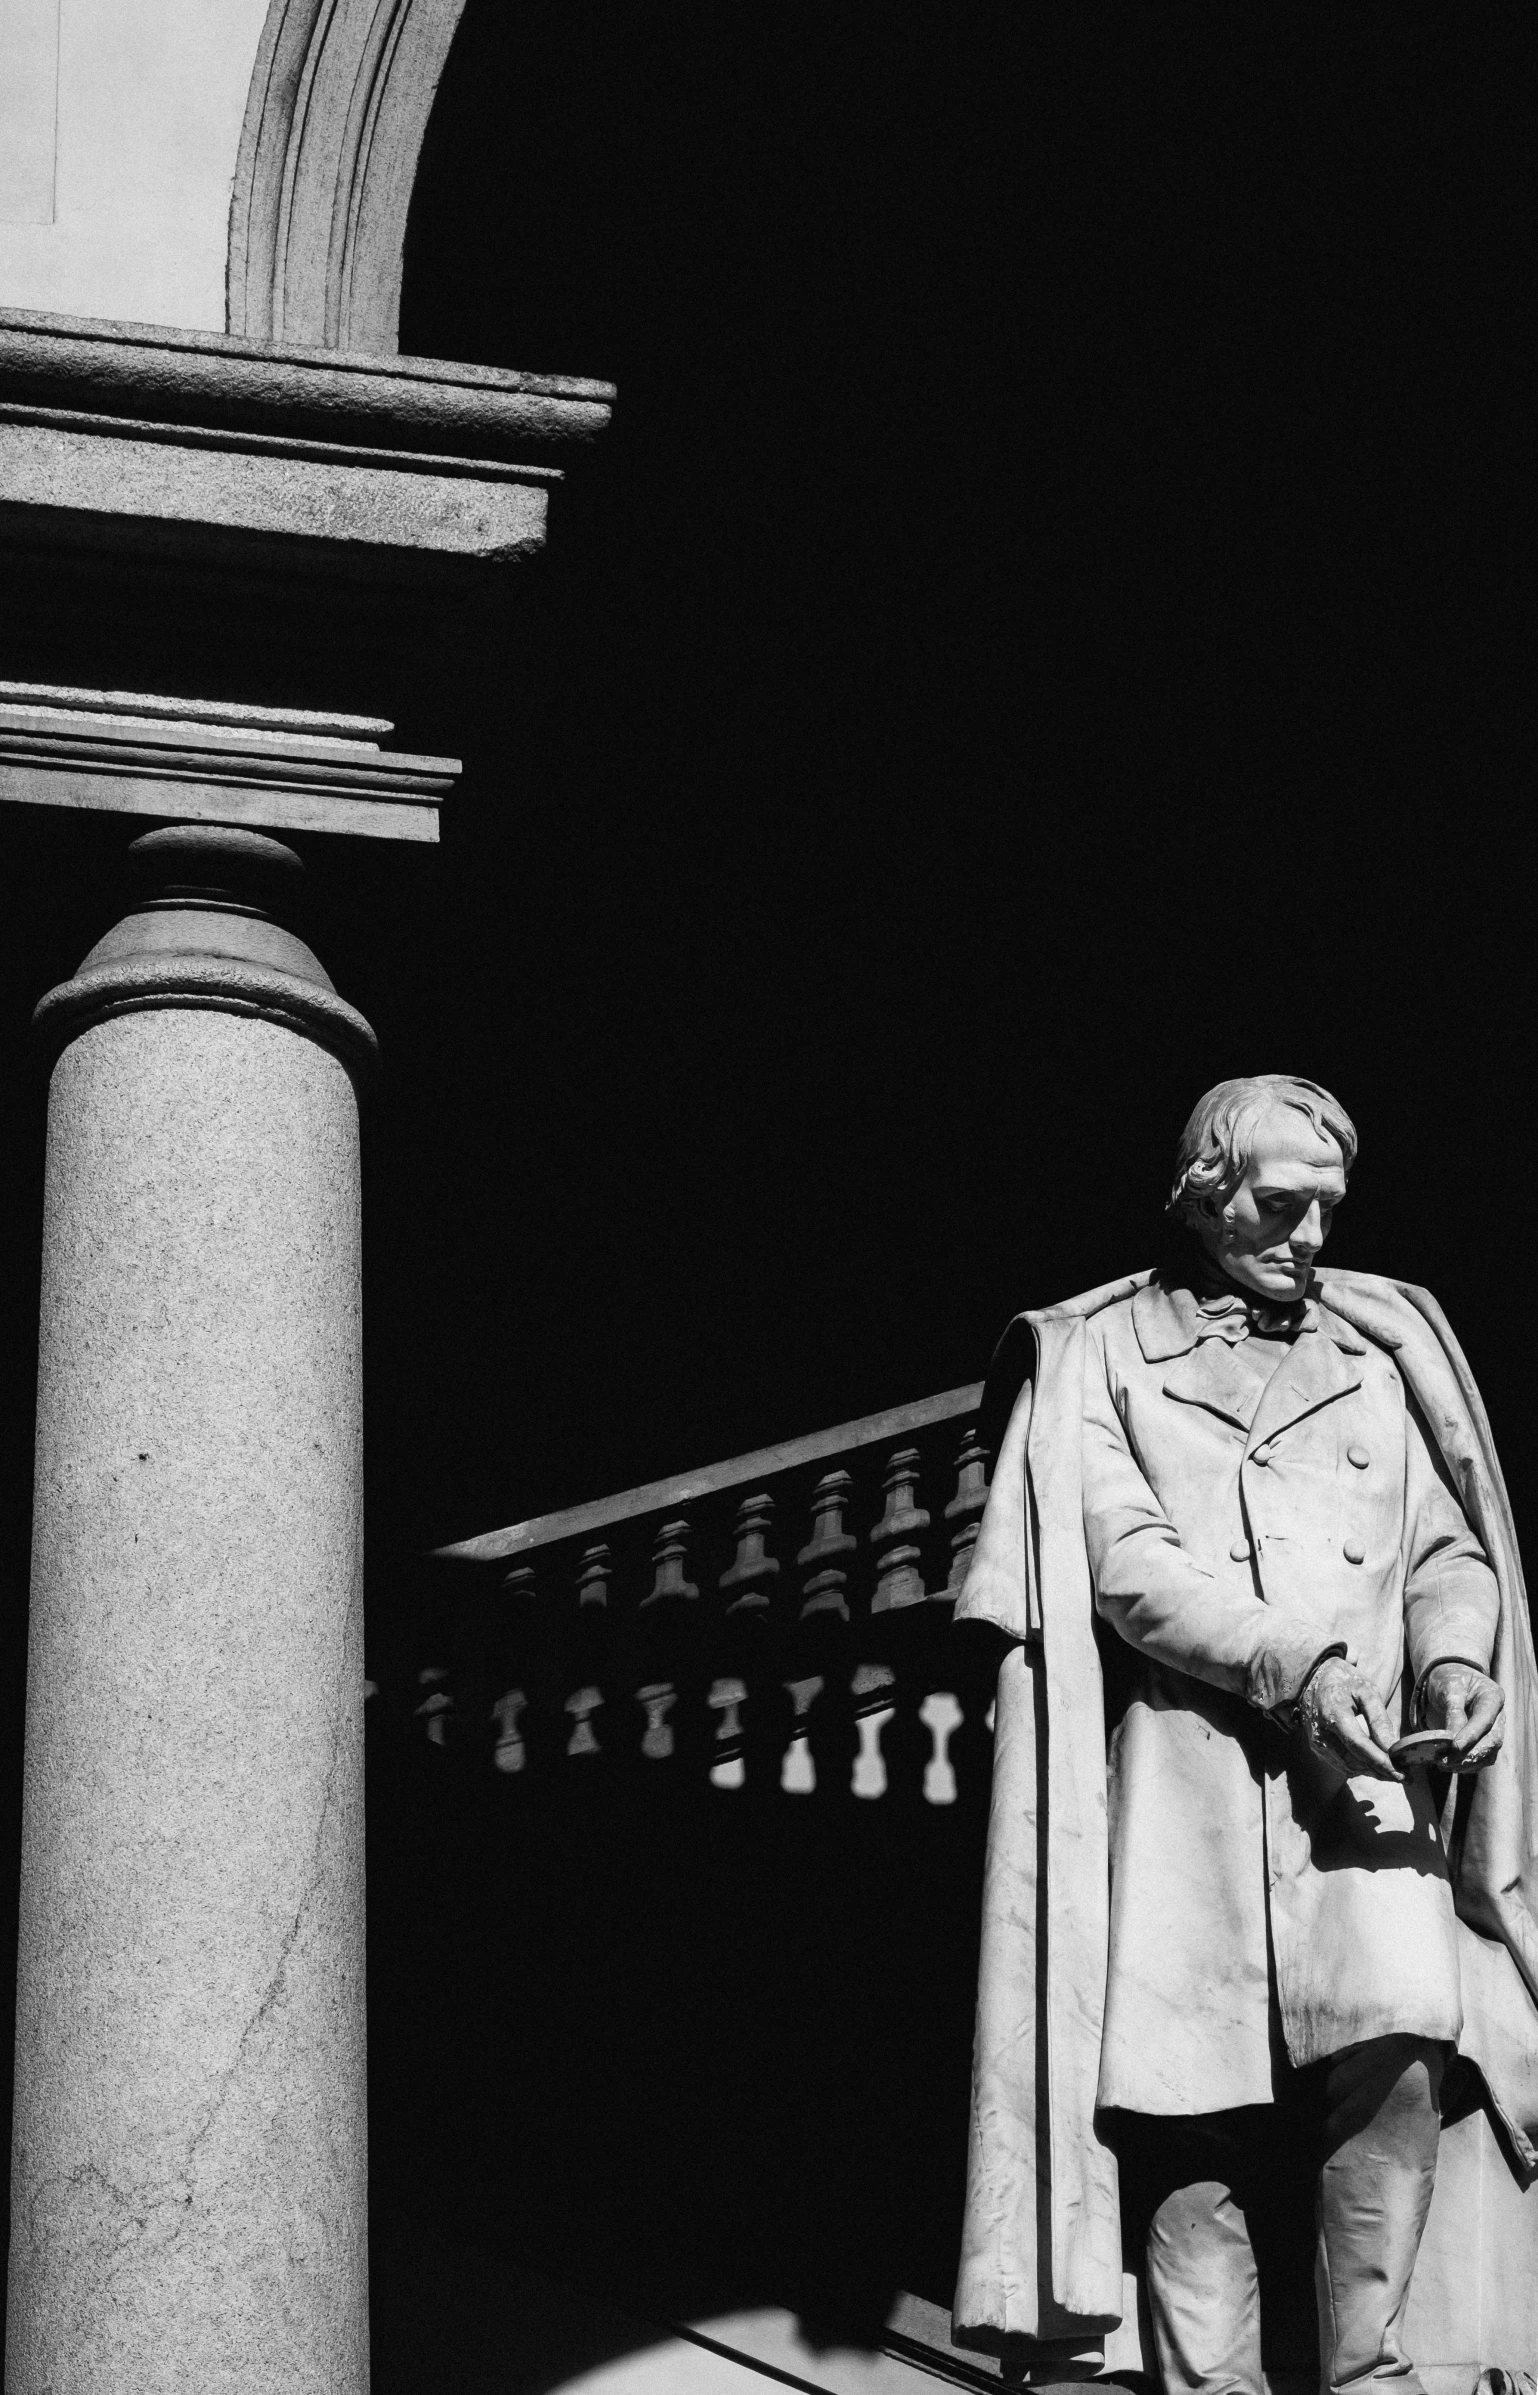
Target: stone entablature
[[130, 433]]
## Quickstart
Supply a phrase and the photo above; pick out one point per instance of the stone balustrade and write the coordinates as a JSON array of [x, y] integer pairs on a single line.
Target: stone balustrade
[[777, 1626]]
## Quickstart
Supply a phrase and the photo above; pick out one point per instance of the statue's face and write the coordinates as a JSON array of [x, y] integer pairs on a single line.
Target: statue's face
[[1269, 1231]]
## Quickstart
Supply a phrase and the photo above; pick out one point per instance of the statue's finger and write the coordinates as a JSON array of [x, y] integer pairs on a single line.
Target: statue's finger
[[1375, 1714], [1363, 1754], [1481, 1717]]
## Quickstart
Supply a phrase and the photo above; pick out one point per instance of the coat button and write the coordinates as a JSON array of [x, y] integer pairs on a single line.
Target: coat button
[[1240, 1550], [1262, 1455], [1358, 1456], [1354, 1550]]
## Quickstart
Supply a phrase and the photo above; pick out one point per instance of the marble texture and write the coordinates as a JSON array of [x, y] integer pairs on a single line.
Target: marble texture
[[1274, 1482], [189, 2196]]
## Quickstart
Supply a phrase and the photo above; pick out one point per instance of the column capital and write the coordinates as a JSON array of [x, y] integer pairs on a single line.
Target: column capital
[[205, 935]]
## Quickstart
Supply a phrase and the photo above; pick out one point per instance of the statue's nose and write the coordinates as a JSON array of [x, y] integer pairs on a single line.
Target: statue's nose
[[1309, 1232]]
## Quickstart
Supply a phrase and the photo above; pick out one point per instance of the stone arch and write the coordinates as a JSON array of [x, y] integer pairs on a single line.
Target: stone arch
[[338, 107]]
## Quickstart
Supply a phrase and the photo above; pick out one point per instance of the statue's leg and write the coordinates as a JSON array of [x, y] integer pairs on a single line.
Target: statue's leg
[[1203, 2290], [1380, 2155]]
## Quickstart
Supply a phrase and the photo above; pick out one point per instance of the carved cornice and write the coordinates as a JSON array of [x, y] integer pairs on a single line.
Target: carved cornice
[[338, 106], [221, 383], [126, 431]]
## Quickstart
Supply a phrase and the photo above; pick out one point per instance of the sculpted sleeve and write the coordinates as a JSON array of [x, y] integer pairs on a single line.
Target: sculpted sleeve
[[1451, 1601], [1156, 1595]]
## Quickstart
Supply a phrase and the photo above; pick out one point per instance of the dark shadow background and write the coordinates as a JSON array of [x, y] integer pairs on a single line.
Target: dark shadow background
[[1050, 627], [1046, 630]]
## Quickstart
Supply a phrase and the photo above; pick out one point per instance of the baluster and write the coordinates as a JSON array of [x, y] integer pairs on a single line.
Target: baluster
[[658, 1699], [966, 1507], [582, 1704], [899, 1580], [741, 1649], [594, 1573], [510, 1753], [820, 1642], [798, 1773], [587, 1646], [727, 1697], [525, 1622], [671, 1548], [824, 1590], [436, 1706], [664, 1612], [749, 1580], [871, 1687], [941, 1716]]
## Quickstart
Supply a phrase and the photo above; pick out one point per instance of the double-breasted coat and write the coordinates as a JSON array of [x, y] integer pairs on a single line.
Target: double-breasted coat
[[1249, 1507]]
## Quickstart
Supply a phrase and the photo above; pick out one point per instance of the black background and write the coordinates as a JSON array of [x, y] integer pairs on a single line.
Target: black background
[[1049, 628]]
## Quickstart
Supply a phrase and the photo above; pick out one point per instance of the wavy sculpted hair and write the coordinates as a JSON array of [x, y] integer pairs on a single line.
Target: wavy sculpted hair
[[1216, 1143]]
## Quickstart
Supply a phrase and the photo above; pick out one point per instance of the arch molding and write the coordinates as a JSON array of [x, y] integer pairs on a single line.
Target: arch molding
[[339, 101]]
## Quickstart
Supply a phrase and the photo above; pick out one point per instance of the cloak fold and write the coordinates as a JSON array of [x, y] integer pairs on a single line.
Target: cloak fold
[[1041, 2242]]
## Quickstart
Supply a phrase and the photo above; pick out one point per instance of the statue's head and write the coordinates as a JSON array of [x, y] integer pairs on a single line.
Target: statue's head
[[1260, 1169]]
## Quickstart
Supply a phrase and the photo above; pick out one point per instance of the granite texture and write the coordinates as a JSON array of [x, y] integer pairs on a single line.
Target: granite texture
[[231, 382], [338, 109], [342, 505], [189, 2199]]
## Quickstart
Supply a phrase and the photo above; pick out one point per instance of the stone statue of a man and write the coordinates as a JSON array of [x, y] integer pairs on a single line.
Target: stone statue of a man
[[1246, 1536]]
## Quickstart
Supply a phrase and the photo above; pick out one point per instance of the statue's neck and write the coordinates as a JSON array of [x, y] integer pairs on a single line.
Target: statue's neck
[[1210, 1280]]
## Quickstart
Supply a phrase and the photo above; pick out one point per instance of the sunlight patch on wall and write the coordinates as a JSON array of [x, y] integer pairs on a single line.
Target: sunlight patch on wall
[[29, 110]]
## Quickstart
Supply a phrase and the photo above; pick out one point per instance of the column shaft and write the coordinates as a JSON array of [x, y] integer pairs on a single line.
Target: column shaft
[[189, 2152]]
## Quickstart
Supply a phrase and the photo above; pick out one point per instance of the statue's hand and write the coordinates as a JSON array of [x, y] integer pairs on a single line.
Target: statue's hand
[[1466, 1704], [1345, 1720]]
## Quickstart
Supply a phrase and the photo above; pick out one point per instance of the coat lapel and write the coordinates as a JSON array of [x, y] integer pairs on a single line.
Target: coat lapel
[[1211, 1375], [1314, 1372]]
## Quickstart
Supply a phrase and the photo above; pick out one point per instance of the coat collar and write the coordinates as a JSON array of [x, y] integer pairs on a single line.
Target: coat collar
[[1167, 1318], [1319, 1365]]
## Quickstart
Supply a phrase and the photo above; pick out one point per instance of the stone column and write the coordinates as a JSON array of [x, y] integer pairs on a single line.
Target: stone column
[[188, 2179]]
